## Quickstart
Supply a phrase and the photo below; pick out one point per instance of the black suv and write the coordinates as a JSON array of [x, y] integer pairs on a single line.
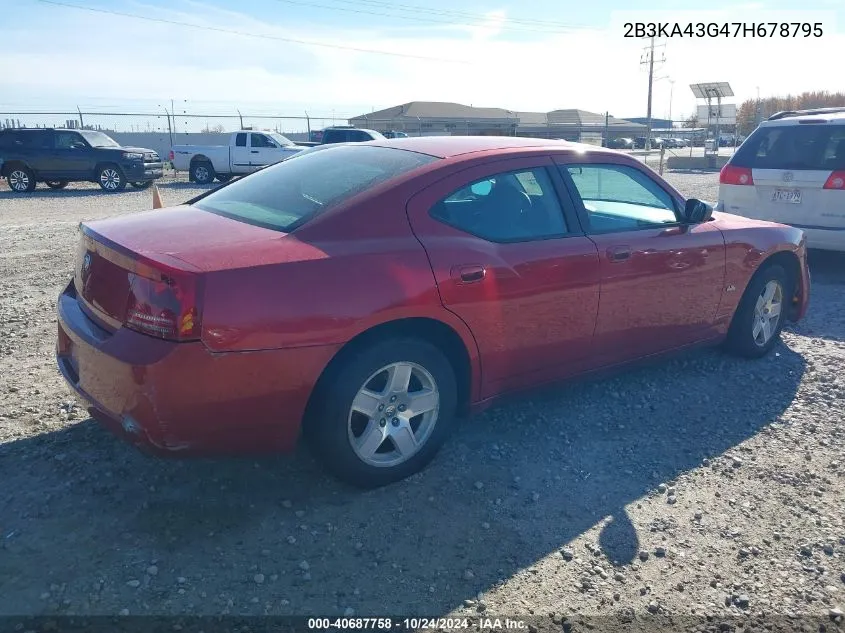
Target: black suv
[[57, 157], [345, 134]]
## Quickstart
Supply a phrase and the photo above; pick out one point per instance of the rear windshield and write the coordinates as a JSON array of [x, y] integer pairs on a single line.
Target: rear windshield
[[818, 146], [288, 194]]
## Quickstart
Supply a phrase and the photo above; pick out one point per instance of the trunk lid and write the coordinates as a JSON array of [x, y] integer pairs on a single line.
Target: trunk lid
[[113, 253]]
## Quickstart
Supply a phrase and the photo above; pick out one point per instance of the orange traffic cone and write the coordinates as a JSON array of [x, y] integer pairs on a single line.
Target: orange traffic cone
[[156, 198]]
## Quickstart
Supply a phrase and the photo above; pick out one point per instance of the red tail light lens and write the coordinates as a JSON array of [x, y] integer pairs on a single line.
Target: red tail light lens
[[164, 305], [836, 180], [731, 175], [171, 155]]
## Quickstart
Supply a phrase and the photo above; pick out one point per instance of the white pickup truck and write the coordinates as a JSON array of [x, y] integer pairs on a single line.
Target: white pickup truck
[[247, 151]]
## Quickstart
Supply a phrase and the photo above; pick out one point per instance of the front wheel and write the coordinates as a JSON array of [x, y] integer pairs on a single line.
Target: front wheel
[[56, 184], [761, 314], [383, 414], [142, 185], [202, 173], [111, 179]]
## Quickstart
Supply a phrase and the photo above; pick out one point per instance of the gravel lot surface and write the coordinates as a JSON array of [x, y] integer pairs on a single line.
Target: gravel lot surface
[[701, 485]]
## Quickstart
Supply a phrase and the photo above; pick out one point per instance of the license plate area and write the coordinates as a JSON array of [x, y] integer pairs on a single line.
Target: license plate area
[[788, 196]]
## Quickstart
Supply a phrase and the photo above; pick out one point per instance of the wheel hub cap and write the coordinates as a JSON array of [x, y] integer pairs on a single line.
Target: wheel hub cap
[[393, 414], [19, 180]]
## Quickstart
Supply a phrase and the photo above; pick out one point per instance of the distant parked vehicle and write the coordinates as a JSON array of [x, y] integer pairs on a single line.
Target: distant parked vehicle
[[57, 157], [395, 134], [621, 143], [246, 152], [349, 134]]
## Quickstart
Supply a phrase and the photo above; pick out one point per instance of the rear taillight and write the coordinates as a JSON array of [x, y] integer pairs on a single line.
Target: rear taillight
[[164, 305], [171, 155], [836, 180], [731, 175]]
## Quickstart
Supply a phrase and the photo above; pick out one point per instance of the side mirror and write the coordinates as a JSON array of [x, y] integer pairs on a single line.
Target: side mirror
[[77, 145], [696, 211], [481, 188]]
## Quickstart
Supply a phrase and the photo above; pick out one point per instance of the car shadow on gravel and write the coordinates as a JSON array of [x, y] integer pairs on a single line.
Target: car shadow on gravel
[[512, 487]]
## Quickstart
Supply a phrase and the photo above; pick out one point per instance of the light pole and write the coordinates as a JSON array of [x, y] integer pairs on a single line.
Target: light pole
[[671, 89]]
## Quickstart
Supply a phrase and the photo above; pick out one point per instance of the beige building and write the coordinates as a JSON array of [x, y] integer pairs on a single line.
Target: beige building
[[430, 118]]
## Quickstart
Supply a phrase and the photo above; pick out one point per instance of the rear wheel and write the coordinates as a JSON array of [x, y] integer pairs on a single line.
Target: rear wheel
[[761, 314], [142, 185], [56, 184], [383, 414], [202, 172], [111, 178], [21, 179]]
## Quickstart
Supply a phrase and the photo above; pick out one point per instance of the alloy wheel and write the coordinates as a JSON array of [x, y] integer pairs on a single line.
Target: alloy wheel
[[767, 312], [19, 180], [110, 179], [393, 414]]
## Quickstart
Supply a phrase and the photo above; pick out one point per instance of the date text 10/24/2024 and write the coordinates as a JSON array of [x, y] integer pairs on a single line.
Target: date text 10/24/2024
[[723, 29], [416, 624]]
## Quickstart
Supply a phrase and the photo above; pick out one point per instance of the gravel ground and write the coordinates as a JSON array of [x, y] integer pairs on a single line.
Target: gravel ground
[[701, 485]]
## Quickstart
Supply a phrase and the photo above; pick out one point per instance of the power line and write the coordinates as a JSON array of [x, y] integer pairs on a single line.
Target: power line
[[245, 34], [414, 18], [462, 14]]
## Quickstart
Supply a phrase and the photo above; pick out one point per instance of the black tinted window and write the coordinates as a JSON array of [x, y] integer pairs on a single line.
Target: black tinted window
[[240, 140], [290, 192], [819, 146], [30, 139], [507, 207], [334, 136]]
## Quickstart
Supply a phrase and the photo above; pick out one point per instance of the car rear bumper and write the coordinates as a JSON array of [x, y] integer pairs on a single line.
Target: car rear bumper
[[168, 398]]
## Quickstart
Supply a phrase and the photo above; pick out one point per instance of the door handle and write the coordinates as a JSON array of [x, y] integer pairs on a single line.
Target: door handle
[[618, 253], [254, 151], [469, 273]]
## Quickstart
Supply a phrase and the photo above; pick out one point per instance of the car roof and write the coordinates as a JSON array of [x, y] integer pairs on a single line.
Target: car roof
[[835, 118], [448, 146]]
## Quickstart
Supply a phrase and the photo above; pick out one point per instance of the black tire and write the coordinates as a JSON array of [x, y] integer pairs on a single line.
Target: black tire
[[21, 179], [329, 428], [56, 184], [142, 185], [741, 335], [202, 172], [224, 177], [111, 178]]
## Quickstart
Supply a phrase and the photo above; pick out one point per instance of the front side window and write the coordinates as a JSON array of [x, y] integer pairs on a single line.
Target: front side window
[[621, 198], [287, 194], [259, 140], [508, 207], [98, 139], [66, 140]]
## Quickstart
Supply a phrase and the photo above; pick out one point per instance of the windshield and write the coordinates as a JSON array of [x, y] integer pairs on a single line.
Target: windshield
[[98, 139], [281, 140], [289, 193]]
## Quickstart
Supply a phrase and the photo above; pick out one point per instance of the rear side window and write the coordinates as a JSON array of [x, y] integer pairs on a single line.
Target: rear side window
[[817, 146], [291, 192], [334, 136], [240, 139], [29, 139]]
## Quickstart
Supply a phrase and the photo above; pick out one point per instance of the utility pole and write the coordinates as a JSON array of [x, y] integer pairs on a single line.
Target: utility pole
[[649, 60], [671, 89]]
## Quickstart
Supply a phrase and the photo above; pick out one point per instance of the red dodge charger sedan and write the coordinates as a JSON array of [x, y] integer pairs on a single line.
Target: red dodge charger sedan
[[364, 295]]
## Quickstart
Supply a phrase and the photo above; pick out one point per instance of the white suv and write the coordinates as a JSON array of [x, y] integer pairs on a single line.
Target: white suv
[[792, 170]]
